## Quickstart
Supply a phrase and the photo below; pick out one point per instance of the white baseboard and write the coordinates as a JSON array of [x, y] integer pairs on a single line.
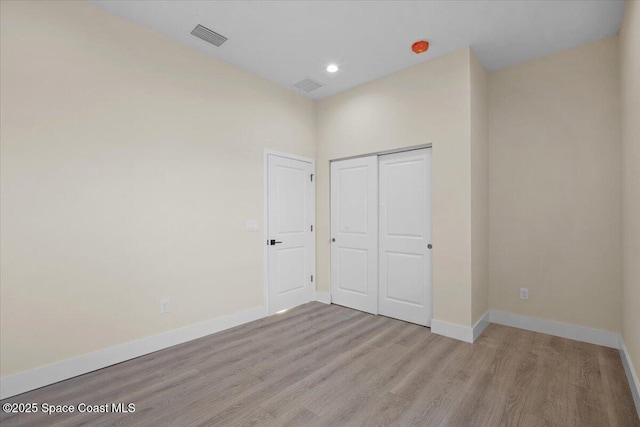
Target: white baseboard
[[634, 384], [451, 330], [22, 382], [459, 332], [481, 324], [559, 329], [323, 297]]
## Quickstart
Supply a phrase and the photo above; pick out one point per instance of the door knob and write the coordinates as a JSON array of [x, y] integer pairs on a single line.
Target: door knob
[[429, 246], [273, 242], [333, 240]]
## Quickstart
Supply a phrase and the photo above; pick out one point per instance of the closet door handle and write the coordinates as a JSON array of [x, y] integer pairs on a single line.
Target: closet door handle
[[429, 246]]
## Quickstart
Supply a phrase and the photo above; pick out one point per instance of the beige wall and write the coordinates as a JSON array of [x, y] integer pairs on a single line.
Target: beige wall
[[630, 90], [555, 187], [129, 167], [428, 103], [479, 189]]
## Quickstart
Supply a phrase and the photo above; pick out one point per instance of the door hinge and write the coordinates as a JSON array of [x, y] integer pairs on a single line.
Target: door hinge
[[312, 278], [312, 228], [311, 177]]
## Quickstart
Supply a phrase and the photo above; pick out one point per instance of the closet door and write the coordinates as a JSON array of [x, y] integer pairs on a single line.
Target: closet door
[[354, 233], [405, 236]]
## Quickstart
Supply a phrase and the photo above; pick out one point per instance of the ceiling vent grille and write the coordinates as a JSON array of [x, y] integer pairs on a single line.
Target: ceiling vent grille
[[209, 36], [307, 85]]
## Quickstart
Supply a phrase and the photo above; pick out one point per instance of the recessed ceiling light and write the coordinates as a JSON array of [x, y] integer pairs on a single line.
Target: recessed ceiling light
[[332, 68]]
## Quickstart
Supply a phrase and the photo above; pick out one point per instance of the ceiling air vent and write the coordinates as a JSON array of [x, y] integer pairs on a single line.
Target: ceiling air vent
[[209, 36], [307, 85]]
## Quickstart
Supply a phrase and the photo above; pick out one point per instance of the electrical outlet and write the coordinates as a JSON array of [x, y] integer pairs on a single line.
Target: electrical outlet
[[524, 293], [164, 306]]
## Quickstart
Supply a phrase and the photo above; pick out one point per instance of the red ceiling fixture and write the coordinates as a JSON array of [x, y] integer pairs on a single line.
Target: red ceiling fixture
[[420, 46]]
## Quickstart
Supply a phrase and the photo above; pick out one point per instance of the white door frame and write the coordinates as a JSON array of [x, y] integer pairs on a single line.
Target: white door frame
[[265, 221]]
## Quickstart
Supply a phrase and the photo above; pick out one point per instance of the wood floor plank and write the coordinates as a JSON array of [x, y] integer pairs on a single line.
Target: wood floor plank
[[430, 405], [520, 389], [474, 405], [298, 417], [341, 403], [533, 421], [519, 340], [584, 366], [343, 389], [550, 397], [326, 365], [617, 393], [408, 337], [434, 361], [586, 408], [502, 370], [330, 375], [553, 349], [382, 411], [470, 362], [390, 335], [493, 336]]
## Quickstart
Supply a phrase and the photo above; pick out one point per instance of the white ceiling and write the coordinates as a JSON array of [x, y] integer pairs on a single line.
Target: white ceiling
[[287, 41]]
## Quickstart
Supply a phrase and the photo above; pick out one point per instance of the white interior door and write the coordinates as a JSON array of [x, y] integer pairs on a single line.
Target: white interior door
[[354, 233], [290, 205], [405, 236]]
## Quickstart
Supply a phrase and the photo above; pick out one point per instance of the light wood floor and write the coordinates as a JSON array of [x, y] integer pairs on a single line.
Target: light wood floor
[[332, 366]]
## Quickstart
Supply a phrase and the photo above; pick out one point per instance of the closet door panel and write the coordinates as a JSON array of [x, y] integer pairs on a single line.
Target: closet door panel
[[354, 233], [405, 236]]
